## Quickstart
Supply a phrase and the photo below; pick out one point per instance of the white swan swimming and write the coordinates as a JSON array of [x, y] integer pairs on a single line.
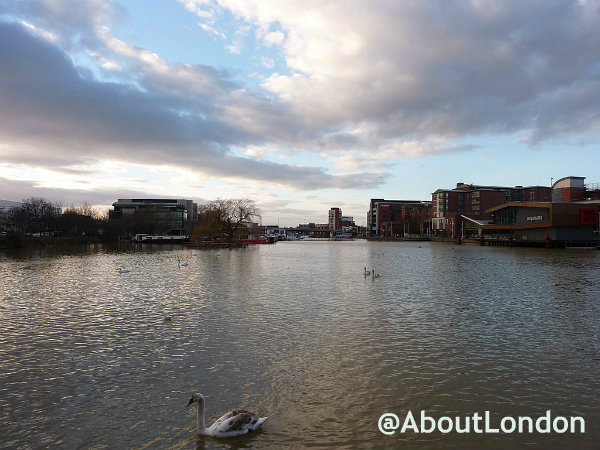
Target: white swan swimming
[[181, 264], [233, 423]]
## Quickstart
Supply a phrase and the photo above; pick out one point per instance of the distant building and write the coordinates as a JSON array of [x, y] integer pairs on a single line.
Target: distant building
[[339, 223], [569, 189], [335, 217], [5, 207], [172, 217], [398, 217], [347, 223]]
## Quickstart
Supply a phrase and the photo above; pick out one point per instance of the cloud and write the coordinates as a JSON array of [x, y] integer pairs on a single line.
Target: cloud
[[423, 69], [57, 114], [274, 38], [213, 31], [361, 85], [18, 190]]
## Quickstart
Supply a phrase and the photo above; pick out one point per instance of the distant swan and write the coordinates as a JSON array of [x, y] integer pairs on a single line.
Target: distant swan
[[122, 270], [233, 423], [181, 264]]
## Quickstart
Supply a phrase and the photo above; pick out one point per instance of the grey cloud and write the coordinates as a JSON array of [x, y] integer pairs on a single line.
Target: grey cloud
[[46, 98], [54, 113], [428, 70], [16, 190], [459, 68]]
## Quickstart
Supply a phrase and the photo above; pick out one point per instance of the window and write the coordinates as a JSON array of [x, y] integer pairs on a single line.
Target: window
[[506, 216]]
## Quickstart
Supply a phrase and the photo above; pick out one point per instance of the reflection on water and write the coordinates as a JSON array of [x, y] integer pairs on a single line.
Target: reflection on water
[[295, 331]]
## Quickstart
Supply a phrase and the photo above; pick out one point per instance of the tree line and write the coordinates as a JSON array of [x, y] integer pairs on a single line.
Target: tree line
[[37, 217]]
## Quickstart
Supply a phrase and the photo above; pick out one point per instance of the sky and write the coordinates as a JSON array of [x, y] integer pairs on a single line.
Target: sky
[[300, 106]]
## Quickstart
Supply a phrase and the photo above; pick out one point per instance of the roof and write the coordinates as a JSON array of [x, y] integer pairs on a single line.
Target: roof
[[478, 222], [521, 204]]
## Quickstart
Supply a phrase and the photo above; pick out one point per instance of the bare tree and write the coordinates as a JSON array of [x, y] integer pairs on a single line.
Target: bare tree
[[224, 217], [84, 210], [37, 215]]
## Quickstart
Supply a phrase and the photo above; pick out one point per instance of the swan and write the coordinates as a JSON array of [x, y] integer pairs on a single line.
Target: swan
[[233, 423], [122, 270], [181, 264]]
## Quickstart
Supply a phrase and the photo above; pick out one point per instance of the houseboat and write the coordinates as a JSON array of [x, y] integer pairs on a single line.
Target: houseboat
[[151, 239]]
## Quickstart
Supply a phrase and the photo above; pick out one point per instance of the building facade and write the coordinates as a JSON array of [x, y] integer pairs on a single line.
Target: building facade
[[550, 224], [170, 217], [398, 217], [569, 189], [473, 202], [335, 218]]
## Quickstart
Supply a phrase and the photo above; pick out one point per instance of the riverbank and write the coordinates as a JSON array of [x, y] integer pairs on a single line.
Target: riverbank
[[16, 240]]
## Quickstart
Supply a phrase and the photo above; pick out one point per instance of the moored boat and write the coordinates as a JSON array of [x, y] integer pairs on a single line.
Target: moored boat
[[149, 238]]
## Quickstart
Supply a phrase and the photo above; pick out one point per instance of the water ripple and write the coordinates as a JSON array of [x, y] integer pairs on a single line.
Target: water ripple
[[94, 358]]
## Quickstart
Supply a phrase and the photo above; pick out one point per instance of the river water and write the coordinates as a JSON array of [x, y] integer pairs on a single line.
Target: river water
[[295, 331]]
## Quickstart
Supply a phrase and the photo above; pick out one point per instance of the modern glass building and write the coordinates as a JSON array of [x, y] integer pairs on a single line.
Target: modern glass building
[[169, 217]]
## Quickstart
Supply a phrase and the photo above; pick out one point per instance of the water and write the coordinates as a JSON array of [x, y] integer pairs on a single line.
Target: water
[[295, 331]]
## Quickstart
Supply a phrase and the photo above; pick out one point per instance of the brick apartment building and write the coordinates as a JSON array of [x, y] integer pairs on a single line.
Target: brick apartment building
[[398, 217], [474, 202]]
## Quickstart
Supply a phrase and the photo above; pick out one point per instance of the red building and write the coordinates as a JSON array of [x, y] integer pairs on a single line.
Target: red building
[[450, 205], [398, 219], [335, 218], [569, 189]]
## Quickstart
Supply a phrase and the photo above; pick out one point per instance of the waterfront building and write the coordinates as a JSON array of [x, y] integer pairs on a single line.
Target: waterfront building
[[335, 217], [338, 222], [569, 189], [173, 217], [398, 217], [473, 201], [536, 223], [347, 223]]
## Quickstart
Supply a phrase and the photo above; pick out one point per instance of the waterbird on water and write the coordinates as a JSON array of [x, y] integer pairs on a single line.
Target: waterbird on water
[[123, 270], [232, 423], [181, 264]]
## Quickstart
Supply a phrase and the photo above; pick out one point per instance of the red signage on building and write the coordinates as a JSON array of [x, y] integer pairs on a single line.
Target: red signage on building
[[588, 216]]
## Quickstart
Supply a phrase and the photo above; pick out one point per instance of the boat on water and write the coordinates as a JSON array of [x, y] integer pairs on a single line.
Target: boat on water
[[159, 239], [255, 240]]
